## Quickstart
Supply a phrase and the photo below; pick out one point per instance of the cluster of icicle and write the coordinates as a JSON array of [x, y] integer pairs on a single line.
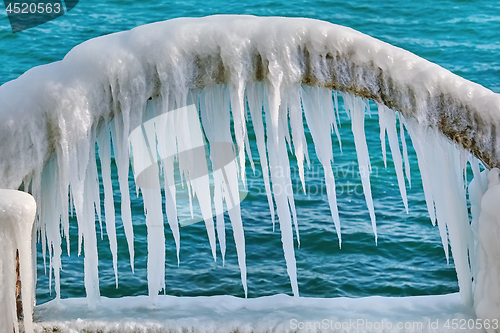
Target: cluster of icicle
[[441, 166], [106, 88]]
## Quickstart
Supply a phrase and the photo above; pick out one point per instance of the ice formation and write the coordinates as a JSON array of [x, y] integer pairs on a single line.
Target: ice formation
[[144, 91], [17, 215], [487, 285]]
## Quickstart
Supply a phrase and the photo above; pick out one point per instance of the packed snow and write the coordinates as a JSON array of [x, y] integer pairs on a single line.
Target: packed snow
[[277, 313], [165, 91]]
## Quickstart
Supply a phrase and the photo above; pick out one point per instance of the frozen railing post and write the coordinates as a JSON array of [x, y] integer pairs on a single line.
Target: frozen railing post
[[17, 213]]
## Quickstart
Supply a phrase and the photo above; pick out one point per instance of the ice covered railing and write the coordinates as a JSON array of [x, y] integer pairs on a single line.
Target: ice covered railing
[[280, 68]]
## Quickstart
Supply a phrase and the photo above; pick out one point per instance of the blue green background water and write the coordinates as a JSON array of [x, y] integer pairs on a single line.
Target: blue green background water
[[462, 36]]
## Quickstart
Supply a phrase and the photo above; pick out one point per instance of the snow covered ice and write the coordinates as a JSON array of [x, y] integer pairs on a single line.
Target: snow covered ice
[[161, 91]]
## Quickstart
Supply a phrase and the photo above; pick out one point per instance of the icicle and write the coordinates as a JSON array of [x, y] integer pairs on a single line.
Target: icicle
[[405, 149], [104, 144], [146, 175], [474, 162], [459, 230], [171, 202], [216, 123], [50, 214], [237, 91], [156, 241], [143, 142], [145, 157], [451, 211], [464, 157], [434, 152], [283, 121], [94, 181], [383, 128], [212, 106], [167, 149], [318, 121], [64, 170], [249, 150], [90, 244], [336, 100], [357, 108], [192, 147], [121, 150], [297, 128], [40, 226], [231, 197], [418, 138], [285, 163], [327, 103], [367, 106], [476, 192], [389, 117], [71, 205], [247, 142], [219, 209], [83, 194]]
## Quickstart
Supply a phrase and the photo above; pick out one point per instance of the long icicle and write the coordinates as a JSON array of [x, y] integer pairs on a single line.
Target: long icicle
[[104, 144], [405, 149], [146, 172], [319, 123], [167, 149], [121, 151], [255, 92], [418, 137], [274, 142], [357, 107], [216, 123]]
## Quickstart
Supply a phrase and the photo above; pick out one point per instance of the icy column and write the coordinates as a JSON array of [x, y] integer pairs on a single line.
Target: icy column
[[17, 213], [487, 291]]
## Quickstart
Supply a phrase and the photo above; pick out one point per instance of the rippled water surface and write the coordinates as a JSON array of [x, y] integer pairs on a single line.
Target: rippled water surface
[[461, 36]]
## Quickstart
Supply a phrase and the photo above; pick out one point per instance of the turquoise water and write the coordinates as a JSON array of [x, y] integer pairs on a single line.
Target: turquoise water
[[409, 260]]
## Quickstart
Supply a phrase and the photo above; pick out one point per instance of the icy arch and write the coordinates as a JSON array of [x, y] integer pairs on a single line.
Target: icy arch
[[52, 115]]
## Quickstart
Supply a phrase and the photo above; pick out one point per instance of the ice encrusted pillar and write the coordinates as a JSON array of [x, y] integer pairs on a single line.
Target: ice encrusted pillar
[[17, 214], [487, 284]]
